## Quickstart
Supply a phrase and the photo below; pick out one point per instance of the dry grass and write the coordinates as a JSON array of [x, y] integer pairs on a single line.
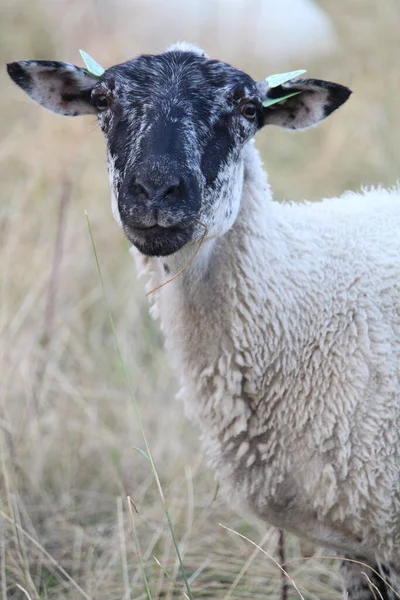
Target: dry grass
[[66, 423]]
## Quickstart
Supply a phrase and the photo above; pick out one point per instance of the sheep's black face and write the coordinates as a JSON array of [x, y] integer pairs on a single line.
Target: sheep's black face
[[175, 125]]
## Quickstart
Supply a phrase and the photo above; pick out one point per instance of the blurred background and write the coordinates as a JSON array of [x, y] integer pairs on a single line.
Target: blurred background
[[67, 426]]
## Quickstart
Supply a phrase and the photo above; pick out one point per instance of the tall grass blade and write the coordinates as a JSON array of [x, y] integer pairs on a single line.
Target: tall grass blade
[[139, 554], [266, 554], [141, 452], [136, 410], [341, 558], [46, 554]]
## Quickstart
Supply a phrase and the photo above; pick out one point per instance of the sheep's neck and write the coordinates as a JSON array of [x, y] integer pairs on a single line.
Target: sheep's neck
[[210, 314]]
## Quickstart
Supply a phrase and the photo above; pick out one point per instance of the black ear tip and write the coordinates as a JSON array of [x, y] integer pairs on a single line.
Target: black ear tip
[[338, 96], [19, 75], [13, 68], [344, 93]]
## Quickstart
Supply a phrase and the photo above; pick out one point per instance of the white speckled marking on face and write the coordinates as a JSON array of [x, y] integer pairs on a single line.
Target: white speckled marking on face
[[114, 178]]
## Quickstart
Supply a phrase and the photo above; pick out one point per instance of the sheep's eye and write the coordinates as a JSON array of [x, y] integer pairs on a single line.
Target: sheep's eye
[[249, 110], [102, 102]]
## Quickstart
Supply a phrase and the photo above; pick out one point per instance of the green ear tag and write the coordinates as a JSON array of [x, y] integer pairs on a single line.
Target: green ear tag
[[279, 78], [270, 101], [92, 66]]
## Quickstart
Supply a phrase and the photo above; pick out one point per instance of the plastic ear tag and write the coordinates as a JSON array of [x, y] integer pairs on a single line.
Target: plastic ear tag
[[270, 101], [92, 66], [275, 80]]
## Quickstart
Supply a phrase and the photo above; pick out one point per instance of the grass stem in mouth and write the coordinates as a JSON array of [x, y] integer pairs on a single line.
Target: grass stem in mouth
[[203, 237]]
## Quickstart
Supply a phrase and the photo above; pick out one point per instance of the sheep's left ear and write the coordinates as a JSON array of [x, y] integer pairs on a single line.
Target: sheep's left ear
[[312, 101], [58, 86]]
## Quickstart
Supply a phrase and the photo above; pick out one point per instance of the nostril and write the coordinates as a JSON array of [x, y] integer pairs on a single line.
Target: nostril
[[173, 190], [143, 188], [139, 190]]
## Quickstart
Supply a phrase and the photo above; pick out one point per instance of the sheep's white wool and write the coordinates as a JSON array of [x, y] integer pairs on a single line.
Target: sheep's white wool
[[186, 47], [114, 179], [286, 335]]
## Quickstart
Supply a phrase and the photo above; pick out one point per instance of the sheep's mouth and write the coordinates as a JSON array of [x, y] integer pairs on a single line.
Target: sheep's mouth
[[158, 240], [154, 230]]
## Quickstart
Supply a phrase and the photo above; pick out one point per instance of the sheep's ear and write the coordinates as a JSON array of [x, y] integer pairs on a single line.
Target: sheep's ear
[[304, 102], [58, 86]]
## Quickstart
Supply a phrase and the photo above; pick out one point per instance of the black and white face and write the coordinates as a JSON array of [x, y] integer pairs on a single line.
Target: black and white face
[[175, 126]]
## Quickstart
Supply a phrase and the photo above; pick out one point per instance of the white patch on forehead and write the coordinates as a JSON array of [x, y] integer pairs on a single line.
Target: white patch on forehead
[[186, 47]]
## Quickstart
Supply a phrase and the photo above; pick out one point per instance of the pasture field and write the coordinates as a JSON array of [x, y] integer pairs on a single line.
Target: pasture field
[[67, 425]]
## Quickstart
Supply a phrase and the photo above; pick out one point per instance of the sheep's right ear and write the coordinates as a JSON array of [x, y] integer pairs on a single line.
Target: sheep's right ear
[[58, 86]]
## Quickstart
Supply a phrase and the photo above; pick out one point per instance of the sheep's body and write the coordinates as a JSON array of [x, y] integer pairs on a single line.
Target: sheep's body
[[286, 336], [286, 328]]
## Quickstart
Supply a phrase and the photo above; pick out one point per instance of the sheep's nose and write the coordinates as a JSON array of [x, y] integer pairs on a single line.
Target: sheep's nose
[[170, 189]]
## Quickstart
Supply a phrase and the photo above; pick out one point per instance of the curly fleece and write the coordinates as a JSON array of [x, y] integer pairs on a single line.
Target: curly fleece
[[286, 335]]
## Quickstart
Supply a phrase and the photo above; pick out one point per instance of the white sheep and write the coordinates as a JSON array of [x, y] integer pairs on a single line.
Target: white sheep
[[285, 330]]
